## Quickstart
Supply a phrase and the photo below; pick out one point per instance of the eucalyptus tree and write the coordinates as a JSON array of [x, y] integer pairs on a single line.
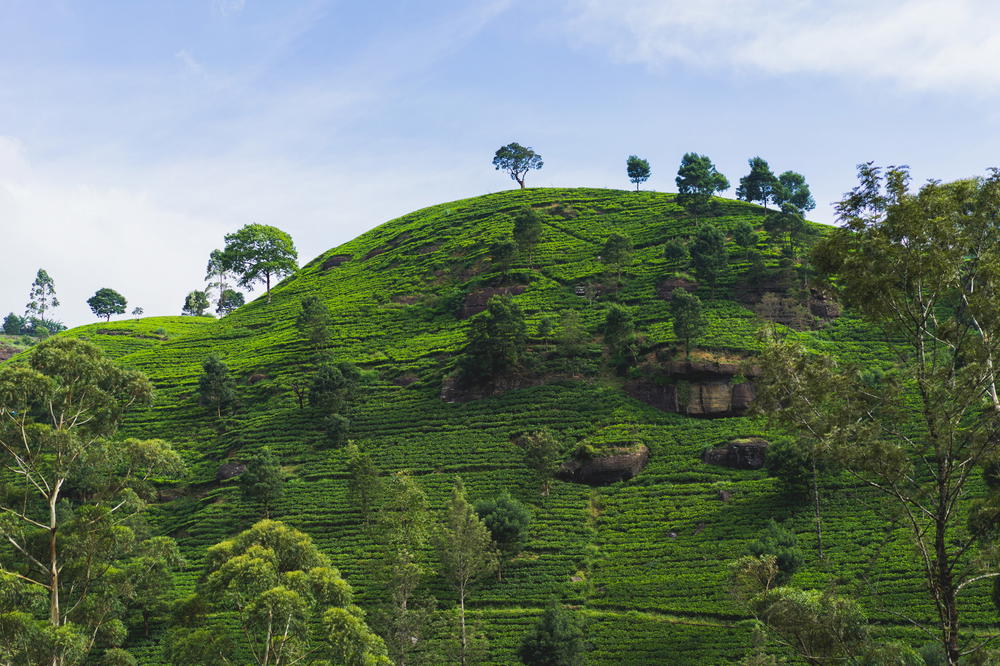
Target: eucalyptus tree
[[517, 161]]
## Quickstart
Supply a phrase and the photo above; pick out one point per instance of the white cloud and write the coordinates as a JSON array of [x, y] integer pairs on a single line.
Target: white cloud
[[230, 7], [936, 45]]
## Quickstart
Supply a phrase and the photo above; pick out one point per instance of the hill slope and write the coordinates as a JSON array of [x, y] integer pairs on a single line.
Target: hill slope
[[645, 558]]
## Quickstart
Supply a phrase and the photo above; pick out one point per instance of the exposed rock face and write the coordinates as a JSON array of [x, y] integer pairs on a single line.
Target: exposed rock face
[[335, 260], [6, 352], [666, 288], [698, 388], [475, 302], [748, 453], [619, 465], [229, 470]]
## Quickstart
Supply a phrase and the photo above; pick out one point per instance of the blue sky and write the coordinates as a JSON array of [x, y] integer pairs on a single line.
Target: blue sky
[[134, 135]]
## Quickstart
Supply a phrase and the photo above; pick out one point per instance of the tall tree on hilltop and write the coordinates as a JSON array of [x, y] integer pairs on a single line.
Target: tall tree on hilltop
[[923, 267], [527, 229], [71, 507], [760, 184], [638, 170], [259, 253], [697, 180], [106, 302], [793, 189], [195, 303], [467, 554], [42, 296], [516, 160]]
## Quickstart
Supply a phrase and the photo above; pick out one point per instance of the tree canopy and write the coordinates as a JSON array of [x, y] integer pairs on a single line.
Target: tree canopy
[[516, 160], [42, 296], [195, 303], [107, 302], [638, 170], [697, 180], [760, 184], [259, 253]]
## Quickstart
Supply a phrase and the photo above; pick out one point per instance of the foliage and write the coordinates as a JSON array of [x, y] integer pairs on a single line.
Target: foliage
[[542, 453], [507, 519], [195, 304], [760, 184], [42, 296], [793, 189], [336, 429], [689, 322], [106, 302], [676, 251], [782, 544], [215, 387], [638, 170], [502, 254], [745, 236], [276, 582], [258, 253], [527, 229], [517, 161], [313, 321], [229, 300], [364, 487], [12, 324], [496, 340], [262, 482], [556, 639], [708, 254], [697, 180], [923, 267], [617, 252], [73, 501], [334, 386], [465, 548]]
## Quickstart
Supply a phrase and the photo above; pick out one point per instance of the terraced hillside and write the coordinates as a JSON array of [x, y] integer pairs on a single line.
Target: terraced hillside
[[645, 559]]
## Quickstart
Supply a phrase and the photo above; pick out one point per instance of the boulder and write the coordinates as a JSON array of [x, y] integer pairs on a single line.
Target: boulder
[[619, 464], [743, 453], [229, 470]]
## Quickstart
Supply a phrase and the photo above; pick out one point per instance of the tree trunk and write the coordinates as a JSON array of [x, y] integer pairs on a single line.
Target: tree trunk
[[461, 620], [520, 181], [54, 612], [819, 520], [267, 279]]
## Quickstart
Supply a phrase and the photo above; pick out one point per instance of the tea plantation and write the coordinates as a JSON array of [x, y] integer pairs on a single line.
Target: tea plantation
[[644, 560]]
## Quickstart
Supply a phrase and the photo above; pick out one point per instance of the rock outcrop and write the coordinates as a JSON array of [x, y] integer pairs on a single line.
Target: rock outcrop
[[475, 301], [617, 464], [696, 388], [6, 352], [744, 453], [229, 470]]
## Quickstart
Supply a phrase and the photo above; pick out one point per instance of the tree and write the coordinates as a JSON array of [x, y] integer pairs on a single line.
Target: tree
[[507, 520], [336, 428], [107, 302], [229, 301], [617, 252], [364, 487], [70, 513], [793, 189], [556, 639], [542, 453], [147, 577], [465, 548], [783, 546], [13, 325], [745, 236], [676, 252], [689, 323], [619, 336], [42, 296], [708, 254], [760, 184], [137, 312], [496, 340], [334, 386], [258, 253], [262, 481], [217, 275], [922, 267], [697, 180], [195, 304], [502, 254], [276, 583], [404, 530], [527, 229], [313, 321], [215, 387], [517, 161], [638, 170]]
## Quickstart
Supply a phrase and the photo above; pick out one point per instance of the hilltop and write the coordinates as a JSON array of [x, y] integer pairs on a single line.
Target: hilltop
[[644, 558]]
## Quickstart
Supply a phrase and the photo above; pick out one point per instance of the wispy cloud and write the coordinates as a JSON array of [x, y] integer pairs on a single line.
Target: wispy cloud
[[230, 7], [189, 62], [925, 45]]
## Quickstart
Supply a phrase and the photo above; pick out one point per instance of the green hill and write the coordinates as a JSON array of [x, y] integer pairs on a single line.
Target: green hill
[[645, 559]]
